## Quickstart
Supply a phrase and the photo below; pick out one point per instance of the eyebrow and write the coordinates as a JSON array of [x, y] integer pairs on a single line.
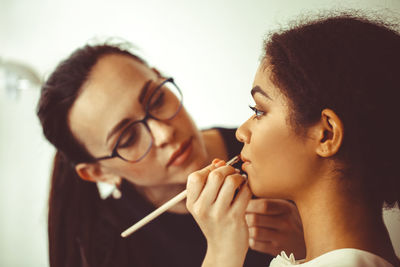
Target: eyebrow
[[125, 121], [144, 90], [257, 89]]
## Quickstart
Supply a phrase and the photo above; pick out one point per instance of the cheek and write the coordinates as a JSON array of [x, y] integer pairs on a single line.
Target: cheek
[[183, 121], [279, 162], [140, 173]]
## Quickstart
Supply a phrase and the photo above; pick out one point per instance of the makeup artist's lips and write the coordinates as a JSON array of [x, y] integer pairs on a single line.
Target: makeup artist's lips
[[181, 154]]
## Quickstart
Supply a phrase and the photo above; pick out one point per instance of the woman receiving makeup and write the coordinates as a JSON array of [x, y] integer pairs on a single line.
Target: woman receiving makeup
[[114, 119], [324, 134]]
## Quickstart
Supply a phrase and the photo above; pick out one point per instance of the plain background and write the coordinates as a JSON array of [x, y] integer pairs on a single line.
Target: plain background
[[211, 47]]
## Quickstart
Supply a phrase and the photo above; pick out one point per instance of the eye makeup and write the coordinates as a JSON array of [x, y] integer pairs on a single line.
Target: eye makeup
[[258, 112]]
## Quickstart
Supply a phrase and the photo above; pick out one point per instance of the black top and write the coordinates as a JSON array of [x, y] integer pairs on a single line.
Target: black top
[[170, 240]]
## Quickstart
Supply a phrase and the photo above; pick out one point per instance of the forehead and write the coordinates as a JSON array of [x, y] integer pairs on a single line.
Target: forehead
[[113, 71], [114, 80], [263, 79], [110, 94]]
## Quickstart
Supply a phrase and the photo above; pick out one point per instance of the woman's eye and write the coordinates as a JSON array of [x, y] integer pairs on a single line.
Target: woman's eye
[[258, 113], [127, 140], [157, 100], [130, 136]]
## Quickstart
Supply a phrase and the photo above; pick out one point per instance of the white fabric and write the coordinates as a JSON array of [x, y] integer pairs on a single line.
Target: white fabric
[[105, 189], [346, 257]]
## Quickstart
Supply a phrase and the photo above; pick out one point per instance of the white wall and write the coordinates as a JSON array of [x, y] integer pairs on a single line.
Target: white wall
[[211, 47]]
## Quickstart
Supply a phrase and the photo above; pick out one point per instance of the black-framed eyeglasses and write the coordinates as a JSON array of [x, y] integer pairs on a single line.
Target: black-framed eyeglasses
[[136, 139]]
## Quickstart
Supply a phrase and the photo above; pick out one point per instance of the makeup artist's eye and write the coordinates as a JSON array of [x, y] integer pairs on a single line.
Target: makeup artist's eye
[[157, 100], [130, 136], [258, 113]]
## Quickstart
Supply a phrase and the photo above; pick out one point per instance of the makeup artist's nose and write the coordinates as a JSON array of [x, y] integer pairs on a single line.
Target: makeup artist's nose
[[162, 131], [243, 133]]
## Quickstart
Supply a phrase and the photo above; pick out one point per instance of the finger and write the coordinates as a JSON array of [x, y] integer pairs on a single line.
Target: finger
[[269, 206], [195, 184], [265, 234], [214, 182], [242, 199], [276, 222], [227, 192], [264, 247]]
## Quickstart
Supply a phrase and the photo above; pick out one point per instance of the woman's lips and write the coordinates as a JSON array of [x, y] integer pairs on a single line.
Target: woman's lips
[[245, 162], [243, 158], [181, 154]]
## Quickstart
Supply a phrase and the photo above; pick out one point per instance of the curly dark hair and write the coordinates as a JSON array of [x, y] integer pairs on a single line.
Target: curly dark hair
[[351, 65]]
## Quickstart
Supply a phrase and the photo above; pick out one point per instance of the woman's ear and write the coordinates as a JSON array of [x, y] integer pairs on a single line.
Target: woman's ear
[[93, 172], [330, 134]]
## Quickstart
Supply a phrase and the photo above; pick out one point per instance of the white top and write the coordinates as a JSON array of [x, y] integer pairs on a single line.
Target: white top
[[346, 257]]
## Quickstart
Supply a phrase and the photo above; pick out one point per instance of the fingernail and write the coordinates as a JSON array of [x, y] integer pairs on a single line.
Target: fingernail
[[244, 175], [215, 161], [237, 170]]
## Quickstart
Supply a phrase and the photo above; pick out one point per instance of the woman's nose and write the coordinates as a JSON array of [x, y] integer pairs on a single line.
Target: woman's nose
[[163, 133], [243, 133]]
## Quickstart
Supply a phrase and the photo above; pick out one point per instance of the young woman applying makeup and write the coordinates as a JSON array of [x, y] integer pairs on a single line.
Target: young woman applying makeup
[[114, 119], [324, 135]]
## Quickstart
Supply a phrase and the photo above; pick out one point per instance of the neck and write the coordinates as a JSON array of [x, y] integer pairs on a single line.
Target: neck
[[158, 195], [333, 218]]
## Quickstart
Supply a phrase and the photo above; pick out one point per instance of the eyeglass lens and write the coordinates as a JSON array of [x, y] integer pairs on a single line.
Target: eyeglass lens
[[136, 140]]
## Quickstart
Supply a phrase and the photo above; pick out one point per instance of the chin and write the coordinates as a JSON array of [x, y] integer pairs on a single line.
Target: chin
[[253, 188], [259, 189], [192, 167], [181, 175], [256, 192], [199, 159]]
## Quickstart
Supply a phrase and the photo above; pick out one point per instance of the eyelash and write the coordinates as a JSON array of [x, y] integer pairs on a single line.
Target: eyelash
[[258, 113]]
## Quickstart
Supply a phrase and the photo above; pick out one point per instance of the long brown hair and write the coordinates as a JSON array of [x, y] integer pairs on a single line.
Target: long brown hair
[[72, 201]]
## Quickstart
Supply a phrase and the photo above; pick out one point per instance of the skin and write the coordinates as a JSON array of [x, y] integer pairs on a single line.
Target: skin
[[119, 79], [283, 164], [110, 95]]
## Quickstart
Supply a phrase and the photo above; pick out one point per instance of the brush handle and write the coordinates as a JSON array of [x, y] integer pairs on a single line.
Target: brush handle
[[172, 202]]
